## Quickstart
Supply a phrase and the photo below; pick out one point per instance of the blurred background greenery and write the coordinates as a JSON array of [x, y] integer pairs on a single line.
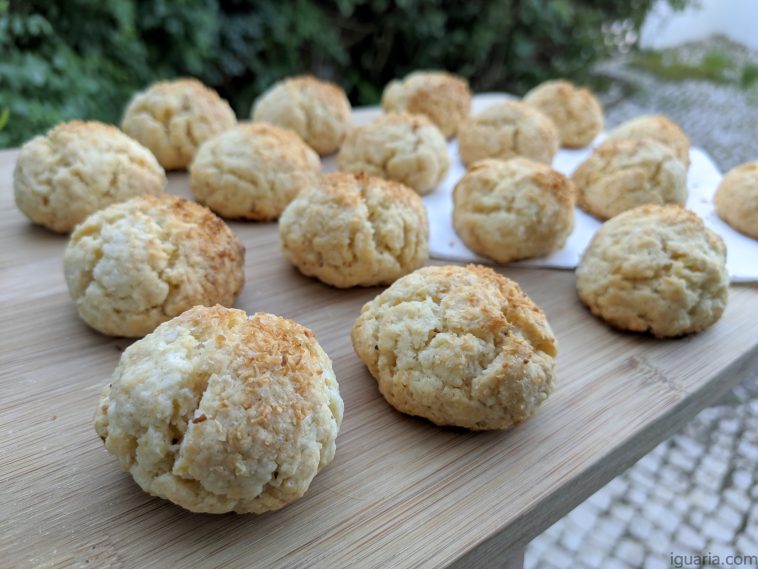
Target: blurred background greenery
[[70, 59]]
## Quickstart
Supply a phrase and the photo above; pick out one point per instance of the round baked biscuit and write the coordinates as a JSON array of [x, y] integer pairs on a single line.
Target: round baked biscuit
[[442, 97], [219, 412], [252, 171], [398, 146], [514, 209], [659, 128], [461, 346], [508, 129], [353, 229], [623, 174], [173, 118], [655, 269], [133, 265], [737, 199], [574, 110], [318, 111], [78, 168]]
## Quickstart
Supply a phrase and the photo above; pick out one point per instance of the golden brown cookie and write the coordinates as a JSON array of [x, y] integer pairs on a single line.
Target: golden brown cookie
[[508, 129], [574, 110], [78, 168], [655, 269], [513, 209], [173, 118], [659, 128], [318, 111], [402, 147], [737, 199], [220, 412], [623, 174], [252, 171], [353, 229], [133, 265], [459, 346], [442, 97]]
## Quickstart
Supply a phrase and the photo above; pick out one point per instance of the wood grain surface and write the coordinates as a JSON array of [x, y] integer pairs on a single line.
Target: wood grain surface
[[400, 492]]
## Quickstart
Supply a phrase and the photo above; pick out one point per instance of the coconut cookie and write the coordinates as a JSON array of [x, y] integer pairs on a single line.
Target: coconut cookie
[[508, 129], [514, 209], [659, 128], [442, 97], [460, 346], [574, 110], [624, 174], [78, 168], [655, 269], [134, 265], [737, 199], [398, 146], [219, 412], [252, 171], [173, 118], [316, 110], [354, 229]]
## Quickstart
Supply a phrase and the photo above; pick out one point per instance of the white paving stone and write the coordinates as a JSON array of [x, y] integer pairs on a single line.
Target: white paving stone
[[615, 563], [689, 538], [655, 562], [729, 426], [611, 529], [681, 460], [746, 545], [601, 500], [697, 517], [714, 530], [668, 521], [623, 512], [742, 479], [557, 557], [631, 552], [641, 528], [636, 496], [729, 517], [585, 515], [689, 447], [704, 500], [572, 540], [737, 499]]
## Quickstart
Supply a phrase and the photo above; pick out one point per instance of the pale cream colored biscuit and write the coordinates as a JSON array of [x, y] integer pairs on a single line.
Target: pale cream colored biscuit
[[659, 128], [508, 129], [78, 168], [220, 412], [655, 269], [173, 118], [317, 110], [354, 229], [459, 346], [398, 146], [514, 209], [252, 171], [737, 199], [133, 265], [623, 174], [442, 97], [574, 110]]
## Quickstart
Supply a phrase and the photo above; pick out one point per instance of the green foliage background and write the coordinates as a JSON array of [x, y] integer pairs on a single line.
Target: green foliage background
[[68, 59]]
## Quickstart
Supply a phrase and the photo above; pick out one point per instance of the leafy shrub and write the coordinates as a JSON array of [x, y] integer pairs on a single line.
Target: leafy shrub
[[84, 58]]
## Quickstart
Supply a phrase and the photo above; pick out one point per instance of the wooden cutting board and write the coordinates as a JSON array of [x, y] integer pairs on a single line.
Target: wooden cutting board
[[400, 492]]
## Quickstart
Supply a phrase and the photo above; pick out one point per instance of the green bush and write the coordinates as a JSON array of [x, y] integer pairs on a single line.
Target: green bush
[[85, 58]]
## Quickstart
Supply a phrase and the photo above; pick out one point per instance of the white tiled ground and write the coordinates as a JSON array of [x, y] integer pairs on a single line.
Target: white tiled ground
[[694, 494], [698, 492]]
